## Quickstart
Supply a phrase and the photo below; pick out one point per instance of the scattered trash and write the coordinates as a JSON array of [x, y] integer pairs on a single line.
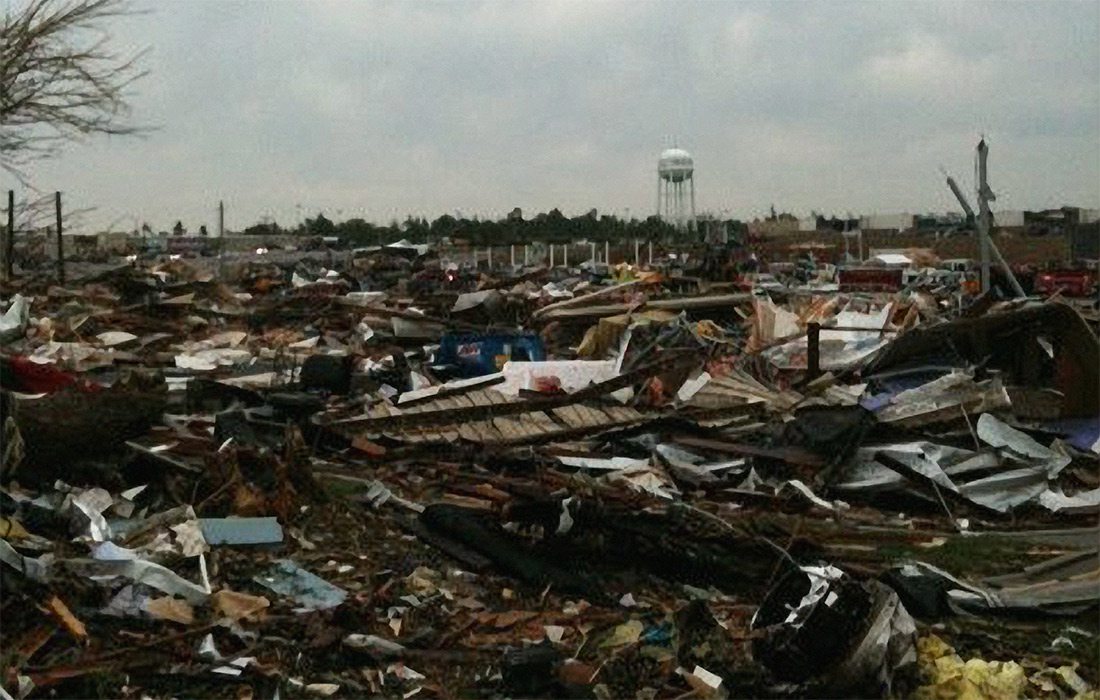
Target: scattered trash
[[241, 531], [382, 471], [624, 634], [60, 612], [947, 675], [820, 627], [234, 605], [173, 609], [376, 645], [14, 320], [531, 671], [309, 591]]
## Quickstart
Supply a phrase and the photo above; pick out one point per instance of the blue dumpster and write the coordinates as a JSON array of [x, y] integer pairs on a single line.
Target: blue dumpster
[[477, 354]]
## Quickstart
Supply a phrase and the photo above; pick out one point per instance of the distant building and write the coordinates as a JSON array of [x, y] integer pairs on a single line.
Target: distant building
[[948, 222], [115, 242], [1063, 220], [773, 227], [833, 224], [773, 224], [886, 223], [715, 231], [1009, 219]]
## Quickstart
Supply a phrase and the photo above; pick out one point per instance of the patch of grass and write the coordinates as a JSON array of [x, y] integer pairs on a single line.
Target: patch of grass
[[969, 555], [339, 488]]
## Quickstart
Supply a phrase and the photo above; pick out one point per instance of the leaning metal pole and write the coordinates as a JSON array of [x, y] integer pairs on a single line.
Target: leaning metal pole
[[985, 195], [1016, 288]]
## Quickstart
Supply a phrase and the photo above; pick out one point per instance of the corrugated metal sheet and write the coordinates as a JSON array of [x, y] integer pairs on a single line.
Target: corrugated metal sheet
[[739, 389]]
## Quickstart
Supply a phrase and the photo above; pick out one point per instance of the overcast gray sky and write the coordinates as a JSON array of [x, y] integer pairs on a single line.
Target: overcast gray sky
[[380, 110]]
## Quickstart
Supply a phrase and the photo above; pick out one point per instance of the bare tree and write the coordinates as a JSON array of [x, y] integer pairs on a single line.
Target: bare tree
[[60, 80]]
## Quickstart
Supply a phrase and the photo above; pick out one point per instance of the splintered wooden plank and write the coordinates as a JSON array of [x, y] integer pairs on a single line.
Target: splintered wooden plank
[[535, 423], [570, 415], [60, 612], [480, 398], [585, 417], [467, 432], [594, 417], [545, 421], [511, 429], [622, 414], [444, 404], [460, 401], [486, 431]]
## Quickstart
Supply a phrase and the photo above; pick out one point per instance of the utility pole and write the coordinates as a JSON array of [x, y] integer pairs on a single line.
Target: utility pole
[[9, 241], [60, 246], [989, 245], [985, 196], [221, 219]]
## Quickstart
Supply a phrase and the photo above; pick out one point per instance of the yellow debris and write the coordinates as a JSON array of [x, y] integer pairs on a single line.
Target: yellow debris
[[627, 633], [11, 529], [948, 677]]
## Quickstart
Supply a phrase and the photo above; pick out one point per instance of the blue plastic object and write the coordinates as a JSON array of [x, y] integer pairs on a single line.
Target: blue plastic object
[[478, 354], [237, 531], [311, 592]]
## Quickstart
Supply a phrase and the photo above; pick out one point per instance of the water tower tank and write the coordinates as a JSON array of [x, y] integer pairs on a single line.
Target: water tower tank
[[675, 165]]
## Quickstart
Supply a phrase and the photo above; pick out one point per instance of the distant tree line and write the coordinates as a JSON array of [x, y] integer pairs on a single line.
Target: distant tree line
[[547, 227]]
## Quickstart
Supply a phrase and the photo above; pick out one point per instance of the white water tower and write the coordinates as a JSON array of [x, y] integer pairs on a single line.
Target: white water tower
[[675, 186]]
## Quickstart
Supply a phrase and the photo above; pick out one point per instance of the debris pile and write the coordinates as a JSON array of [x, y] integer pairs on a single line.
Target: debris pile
[[388, 476]]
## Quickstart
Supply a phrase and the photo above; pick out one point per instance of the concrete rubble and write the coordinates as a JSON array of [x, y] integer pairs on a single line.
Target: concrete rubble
[[380, 474]]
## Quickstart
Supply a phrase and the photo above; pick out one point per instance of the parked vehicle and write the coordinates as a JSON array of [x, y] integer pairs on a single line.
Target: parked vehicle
[[1071, 283], [768, 283], [870, 279], [931, 277], [760, 282], [957, 265]]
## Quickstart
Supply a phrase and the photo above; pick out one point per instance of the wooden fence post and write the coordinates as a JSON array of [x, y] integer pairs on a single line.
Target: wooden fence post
[[60, 246]]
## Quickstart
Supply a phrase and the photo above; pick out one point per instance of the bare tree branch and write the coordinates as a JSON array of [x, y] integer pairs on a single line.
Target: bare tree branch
[[35, 211], [60, 81]]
